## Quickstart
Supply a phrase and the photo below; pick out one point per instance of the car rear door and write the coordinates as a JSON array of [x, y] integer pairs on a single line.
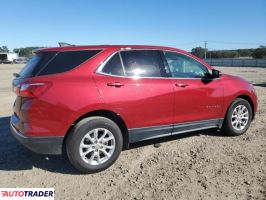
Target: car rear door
[[131, 82]]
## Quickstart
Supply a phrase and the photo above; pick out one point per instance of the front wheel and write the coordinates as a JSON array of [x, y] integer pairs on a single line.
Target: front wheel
[[238, 118], [94, 144]]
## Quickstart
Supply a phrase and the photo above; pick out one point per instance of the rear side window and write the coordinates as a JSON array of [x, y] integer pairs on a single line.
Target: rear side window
[[114, 66], [35, 64], [142, 63], [67, 60]]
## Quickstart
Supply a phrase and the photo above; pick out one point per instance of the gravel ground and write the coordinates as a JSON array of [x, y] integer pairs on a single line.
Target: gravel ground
[[199, 165]]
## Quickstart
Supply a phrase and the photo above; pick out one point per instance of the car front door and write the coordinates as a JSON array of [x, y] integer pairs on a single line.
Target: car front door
[[197, 100], [132, 83]]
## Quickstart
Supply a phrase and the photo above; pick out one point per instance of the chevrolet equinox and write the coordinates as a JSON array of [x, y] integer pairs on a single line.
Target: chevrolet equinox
[[93, 101]]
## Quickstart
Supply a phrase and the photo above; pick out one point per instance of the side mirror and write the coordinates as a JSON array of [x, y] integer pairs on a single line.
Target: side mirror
[[215, 73], [16, 75]]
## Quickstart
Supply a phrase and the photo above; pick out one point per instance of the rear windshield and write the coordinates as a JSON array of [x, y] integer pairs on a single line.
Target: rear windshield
[[55, 62], [35, 64]]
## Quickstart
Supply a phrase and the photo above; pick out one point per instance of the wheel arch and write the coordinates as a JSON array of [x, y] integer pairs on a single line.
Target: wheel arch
[[107, 114], [247, 98]]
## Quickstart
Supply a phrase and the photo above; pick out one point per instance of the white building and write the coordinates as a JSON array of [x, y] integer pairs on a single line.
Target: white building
[[10, 56]]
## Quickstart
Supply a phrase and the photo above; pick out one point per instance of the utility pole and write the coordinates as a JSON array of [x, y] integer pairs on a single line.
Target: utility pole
[[205, 54]]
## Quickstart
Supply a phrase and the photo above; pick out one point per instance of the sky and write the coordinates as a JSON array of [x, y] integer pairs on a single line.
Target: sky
[[227, 24]]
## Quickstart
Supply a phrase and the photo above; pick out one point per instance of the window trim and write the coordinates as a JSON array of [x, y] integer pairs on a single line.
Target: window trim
[[160, 58], [122, 63], [104, 63], [101, 66], [38, 73]]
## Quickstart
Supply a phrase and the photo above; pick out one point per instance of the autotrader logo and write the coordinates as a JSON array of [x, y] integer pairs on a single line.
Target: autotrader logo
[[27, 193]]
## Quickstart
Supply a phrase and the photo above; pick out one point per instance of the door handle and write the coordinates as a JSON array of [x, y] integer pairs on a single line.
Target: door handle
[[115, 84], [183, 85]]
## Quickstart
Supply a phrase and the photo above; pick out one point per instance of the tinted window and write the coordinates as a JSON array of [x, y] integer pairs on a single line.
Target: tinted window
[[67, 60], [142, 63], [183, 66], [35, 64], [114, 66]]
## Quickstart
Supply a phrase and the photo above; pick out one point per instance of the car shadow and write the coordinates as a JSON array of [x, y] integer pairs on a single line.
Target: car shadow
[[210, 132], [15, 157], [263, 84]]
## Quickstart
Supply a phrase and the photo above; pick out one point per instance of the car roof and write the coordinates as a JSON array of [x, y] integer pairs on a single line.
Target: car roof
[[118, 47], [88, 47]]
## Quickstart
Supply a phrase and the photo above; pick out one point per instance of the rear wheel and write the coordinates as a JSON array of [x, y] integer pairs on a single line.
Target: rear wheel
[[238, 118], [94, 144]]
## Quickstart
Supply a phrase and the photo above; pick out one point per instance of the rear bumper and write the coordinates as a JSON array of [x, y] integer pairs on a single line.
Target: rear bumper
[[41, 145]]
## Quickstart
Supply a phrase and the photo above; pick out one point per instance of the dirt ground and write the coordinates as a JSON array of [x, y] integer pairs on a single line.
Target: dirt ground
[[199, 165]]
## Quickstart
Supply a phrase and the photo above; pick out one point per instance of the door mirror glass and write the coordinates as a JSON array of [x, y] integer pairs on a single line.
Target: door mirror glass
[[215, 73]]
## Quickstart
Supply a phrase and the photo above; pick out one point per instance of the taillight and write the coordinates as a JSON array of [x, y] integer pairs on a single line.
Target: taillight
[[31, 90]]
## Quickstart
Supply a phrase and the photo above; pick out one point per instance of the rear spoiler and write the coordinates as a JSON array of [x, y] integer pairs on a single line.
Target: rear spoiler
[[61, 44]]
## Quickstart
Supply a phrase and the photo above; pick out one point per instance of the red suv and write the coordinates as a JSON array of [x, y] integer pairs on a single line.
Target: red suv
[[95, 100]]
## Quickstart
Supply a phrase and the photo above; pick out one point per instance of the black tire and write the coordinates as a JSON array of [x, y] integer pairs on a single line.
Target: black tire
[[227, 125], [79, 131]]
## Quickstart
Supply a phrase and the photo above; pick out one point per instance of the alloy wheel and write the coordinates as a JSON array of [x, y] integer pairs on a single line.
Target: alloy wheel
[[97, 146], [240, 117]]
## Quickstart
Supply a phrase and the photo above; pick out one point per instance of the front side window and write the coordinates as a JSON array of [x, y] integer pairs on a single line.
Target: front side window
[[114, 66], [182, 66], [142, 63]]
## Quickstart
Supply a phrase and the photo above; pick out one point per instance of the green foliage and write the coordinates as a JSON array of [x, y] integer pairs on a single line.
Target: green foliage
[[4, 49], [254, 53], [259, 52], [198, 51], [25, 52], [227, 54]]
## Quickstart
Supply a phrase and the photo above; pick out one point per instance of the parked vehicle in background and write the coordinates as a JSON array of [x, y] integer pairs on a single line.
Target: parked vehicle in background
[[6, 61], [98, 99], [20, 60], [8, 57]]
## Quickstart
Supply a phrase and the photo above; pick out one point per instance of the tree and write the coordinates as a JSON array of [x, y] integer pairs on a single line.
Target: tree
[[4, 49], [228, 53], [198, 51], [245, 52], [259, 52], [25, 52]]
